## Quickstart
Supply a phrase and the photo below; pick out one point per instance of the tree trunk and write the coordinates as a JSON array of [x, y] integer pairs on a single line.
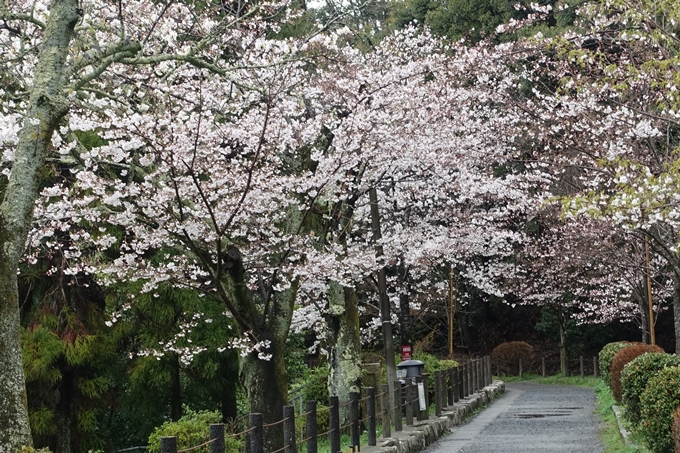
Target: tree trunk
[[676, 311], [46, 107], [229, 376], [63, 414], [266, 385], [385, 309], [344, 343], [175, 389], [641, 297], [404, 308], [563, 350], [265, 378]]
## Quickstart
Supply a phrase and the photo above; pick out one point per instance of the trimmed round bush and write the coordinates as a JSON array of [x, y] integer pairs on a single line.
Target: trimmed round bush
[[606, 356], [621, 358], [506, 356], [636, 374], [659, 401]]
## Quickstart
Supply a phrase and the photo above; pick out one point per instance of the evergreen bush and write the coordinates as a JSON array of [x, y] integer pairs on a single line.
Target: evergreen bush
[[506, 356], [606, 356], [636, 374], [623, 357], [659, 402], [675, 432], [191, 430]]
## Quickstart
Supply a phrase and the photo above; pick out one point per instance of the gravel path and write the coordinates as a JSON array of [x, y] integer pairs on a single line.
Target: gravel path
[[530, 418]]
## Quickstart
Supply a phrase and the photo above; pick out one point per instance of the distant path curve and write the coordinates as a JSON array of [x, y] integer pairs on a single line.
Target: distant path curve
[[530, 418]]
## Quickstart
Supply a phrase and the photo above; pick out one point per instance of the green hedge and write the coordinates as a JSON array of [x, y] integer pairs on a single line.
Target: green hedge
[[606, 356], [658, 401], [635, 376], [191, 430]]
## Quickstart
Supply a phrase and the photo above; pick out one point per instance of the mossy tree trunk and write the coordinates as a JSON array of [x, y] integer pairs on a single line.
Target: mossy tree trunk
[[344, 344], [46, 107], [175, 388], [266, 319]]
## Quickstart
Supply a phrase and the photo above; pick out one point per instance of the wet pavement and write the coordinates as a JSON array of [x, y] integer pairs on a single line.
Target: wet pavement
[[530, 418]]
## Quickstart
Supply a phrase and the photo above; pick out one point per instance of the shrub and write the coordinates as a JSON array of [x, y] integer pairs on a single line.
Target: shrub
[[606, 356], [659, 401], [506, 356], [636, 374], [192, 429], [621, 358], [433, 364], [675, 433]]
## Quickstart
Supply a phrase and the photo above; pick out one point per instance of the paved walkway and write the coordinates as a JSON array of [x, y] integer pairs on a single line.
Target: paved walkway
[[530, 418]]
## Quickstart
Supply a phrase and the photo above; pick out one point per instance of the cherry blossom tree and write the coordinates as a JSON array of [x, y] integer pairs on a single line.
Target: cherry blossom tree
[[131, 72]]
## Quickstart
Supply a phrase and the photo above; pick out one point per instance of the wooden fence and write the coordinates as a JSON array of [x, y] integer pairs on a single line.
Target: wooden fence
[[450, 386], [581, 366]]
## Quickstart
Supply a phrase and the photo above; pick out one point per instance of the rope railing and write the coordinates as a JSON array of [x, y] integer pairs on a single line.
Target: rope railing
[[411, 399], [196, 447]]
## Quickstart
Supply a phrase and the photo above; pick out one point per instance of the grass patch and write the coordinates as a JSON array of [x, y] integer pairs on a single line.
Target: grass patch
[[558, 379], [609, 433]]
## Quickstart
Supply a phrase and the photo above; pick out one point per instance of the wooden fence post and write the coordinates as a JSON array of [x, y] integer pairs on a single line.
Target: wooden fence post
[[217, 436], [437, 393], [169, 444], [408, 401], [397, 406], [448, 379], [354, 420], [289, 429], [454, 384], [256, 438], [311, 428], [334, 424], [521, 372], [461, 380], [543, 366], [370, 413], [425, 414], [385, 404]]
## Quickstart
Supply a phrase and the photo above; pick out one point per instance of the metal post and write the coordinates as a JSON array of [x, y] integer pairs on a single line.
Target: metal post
[[370, 413], [311, 430], [595, 370], [289, 429], [397, 406], [169, 444], [334, 423], [581, 365], [256, 435], [385, 405], [217, 436]]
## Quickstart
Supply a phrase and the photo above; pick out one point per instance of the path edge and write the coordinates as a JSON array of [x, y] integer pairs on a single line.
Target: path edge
[[414, 439]]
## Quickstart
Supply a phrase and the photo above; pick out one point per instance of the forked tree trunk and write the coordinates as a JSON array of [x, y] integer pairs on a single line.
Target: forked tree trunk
[[46, 107], [345, 348]]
